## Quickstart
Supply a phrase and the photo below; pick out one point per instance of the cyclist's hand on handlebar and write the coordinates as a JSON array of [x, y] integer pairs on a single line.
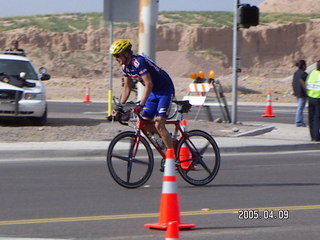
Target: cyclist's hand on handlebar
[[119, 109], [137, 109]]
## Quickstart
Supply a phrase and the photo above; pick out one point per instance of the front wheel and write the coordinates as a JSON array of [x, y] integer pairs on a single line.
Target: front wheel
[[198, 158], [40, 121], [130, 160]]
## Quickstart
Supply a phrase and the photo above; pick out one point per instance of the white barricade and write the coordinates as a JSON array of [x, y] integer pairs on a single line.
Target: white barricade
[[198, 95]]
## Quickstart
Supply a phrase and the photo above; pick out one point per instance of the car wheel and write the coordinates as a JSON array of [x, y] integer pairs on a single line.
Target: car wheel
[[40, 121]]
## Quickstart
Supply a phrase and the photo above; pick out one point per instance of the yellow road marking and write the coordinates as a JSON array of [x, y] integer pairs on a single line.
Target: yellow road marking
[[148, 215]]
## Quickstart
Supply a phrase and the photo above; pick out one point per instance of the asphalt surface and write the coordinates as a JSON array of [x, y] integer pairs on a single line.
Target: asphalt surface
[[272, 137], [77, 199]]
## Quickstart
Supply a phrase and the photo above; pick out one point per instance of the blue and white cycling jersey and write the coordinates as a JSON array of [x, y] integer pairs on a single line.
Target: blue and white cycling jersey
[[141, 65]]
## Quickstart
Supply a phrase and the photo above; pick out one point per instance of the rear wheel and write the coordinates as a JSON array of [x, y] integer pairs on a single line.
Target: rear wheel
[[130, 161], [198, 158]]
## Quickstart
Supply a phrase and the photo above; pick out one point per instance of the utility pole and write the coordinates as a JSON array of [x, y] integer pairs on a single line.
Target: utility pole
[[148, 16], [235, 62]]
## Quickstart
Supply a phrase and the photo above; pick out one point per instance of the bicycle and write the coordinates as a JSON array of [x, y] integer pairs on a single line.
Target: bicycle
[[130, 158]]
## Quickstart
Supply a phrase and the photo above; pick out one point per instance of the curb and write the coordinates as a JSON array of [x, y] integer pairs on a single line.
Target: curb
[[256, 132], [58, 153], [87, 153], [271, 148]]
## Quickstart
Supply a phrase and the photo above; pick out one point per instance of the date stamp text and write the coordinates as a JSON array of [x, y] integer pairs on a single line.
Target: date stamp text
[[255, 214]]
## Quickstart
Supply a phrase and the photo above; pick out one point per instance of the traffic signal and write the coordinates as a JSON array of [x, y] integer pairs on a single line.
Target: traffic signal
[[248, 15]]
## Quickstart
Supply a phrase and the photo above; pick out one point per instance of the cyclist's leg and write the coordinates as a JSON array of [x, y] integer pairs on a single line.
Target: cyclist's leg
[[163, 109], [149, 111], [159, 105], [163, 132]]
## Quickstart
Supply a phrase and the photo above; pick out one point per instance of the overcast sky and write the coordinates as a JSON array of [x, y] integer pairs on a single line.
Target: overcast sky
[[30, 7]]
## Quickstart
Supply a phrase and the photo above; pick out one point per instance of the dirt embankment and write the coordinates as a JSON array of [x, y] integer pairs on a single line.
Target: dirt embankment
[[265, 50], [78, 60], [290, 6]]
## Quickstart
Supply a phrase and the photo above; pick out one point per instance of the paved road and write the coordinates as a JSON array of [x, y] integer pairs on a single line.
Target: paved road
[[76, 198], [64, 113], [248, 112]]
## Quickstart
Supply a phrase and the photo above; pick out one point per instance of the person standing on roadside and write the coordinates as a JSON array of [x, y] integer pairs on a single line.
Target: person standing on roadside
[[299, 90], [313, 92], [14, 49]]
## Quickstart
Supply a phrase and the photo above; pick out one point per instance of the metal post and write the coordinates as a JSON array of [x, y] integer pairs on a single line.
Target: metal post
[[235, 61], [147, 31], [110, 70], [117, 11]]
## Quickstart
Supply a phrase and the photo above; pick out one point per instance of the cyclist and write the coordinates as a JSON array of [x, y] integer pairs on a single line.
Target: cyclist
[[158, 92]]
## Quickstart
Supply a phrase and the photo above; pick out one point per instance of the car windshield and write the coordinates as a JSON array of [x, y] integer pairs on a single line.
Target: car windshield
[[15, 67]]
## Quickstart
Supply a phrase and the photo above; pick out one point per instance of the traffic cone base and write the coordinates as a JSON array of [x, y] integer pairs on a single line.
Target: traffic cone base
[[169, 210], [268, 112], [164, 226], [172, 231], [169, 203], [268, 115]]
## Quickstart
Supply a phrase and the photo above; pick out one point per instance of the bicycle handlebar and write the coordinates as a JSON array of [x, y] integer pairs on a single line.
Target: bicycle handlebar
[[124, 116]]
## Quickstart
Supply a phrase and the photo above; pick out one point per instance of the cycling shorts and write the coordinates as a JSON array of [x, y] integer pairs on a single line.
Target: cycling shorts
[[157, 105]]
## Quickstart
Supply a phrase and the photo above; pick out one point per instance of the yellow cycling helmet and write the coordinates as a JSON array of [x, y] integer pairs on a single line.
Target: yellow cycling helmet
[[120, 46]]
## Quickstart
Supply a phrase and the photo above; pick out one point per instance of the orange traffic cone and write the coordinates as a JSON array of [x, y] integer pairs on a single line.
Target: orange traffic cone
[[268, 111], [169, 204], [184, 154], [172, 231], [87, 97]]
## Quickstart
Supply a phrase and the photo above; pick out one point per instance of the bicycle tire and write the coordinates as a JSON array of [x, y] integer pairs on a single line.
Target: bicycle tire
[[198, 158], [129, 168]]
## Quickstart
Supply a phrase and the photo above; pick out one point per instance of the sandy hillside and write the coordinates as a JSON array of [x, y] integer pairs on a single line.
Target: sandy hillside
[[78, 60], [290, 6]]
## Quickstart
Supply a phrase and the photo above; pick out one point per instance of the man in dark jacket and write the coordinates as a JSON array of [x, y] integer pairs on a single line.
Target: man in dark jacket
[[299, 90]]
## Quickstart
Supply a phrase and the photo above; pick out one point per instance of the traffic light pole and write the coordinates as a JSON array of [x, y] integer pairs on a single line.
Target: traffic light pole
[[235, 62]]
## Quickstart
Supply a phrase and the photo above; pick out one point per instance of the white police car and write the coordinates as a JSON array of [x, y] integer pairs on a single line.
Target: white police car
[[22, 93]]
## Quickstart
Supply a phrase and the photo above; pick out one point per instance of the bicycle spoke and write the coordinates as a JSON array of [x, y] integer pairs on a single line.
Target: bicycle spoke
[[196, 150], [135, 160], [204, 165], [192, 149], [120, 157], [200, 157], [129, 168]]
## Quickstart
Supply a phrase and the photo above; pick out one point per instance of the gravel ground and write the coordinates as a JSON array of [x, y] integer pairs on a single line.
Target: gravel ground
[[68, 127], [95, 128]]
